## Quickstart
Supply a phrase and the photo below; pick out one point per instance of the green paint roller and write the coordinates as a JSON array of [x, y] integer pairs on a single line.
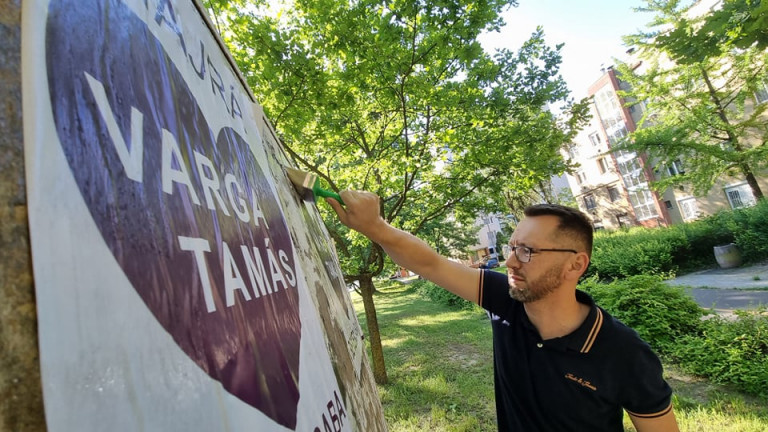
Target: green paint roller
[[308, 185]]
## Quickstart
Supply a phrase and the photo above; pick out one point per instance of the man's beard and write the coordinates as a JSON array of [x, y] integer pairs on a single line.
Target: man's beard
[[538, 288]]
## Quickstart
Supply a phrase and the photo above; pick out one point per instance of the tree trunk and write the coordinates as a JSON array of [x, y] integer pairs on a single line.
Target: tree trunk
[[377, 353], [752, 181]]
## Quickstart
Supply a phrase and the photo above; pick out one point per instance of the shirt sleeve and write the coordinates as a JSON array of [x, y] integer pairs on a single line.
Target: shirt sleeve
[[493, 294], [647, 394]]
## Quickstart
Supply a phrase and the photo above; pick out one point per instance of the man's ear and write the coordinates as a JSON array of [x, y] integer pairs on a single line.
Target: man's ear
[[578, 266]]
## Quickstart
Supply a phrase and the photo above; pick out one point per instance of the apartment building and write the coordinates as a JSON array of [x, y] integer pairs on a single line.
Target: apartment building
[[488, 229], [614, 187]]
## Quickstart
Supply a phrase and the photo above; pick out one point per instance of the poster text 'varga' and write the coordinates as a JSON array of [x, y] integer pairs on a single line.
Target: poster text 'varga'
[[268, 269]]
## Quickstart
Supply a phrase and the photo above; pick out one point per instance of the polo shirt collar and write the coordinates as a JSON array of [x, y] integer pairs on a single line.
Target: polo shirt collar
[[583, 338]]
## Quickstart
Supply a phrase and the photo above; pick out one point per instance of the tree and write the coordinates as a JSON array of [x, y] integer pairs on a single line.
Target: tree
[[542, 192], [699, 82], [737, 24], [399, 98]]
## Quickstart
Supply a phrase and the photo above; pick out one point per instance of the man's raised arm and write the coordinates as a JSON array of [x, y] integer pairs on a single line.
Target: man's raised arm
[[362, 214]]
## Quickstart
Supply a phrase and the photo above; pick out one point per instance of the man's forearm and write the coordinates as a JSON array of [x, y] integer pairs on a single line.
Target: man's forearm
[[407, 250], [362, 214]]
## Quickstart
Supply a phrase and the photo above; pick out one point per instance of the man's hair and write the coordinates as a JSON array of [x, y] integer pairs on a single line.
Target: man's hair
[[573, 222]]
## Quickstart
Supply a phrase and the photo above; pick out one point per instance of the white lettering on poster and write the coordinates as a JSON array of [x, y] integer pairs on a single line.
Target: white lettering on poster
[[261, 282], [166, 17], [131, 159], [264, 280]]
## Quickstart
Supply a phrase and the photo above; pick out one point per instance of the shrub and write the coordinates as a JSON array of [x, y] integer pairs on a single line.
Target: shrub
[[660, 314], [733, 352], [751, 233], [685, 247], [440, 295], [637, 251]]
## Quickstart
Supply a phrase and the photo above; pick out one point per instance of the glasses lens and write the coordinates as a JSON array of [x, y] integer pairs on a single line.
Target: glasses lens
[[522, 253]]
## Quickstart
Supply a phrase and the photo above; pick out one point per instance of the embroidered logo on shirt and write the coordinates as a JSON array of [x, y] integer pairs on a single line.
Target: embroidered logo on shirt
[[581, 381], [495, 317]]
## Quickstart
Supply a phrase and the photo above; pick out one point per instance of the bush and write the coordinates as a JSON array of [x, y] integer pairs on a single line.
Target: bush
[[685, 247], [660, 314], [637, 251], [725, 351], [440, 295], [751, 231], [732, 352]]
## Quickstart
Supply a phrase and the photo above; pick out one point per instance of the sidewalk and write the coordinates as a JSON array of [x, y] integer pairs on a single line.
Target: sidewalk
[[728, 289], [751, 277]]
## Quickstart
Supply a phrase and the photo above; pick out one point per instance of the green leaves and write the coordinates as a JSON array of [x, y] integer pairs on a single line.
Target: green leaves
[[660, 314], [698, 81], [399, 98]]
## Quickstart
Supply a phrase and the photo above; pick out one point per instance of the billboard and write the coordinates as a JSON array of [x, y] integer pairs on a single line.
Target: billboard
[[181, 284]]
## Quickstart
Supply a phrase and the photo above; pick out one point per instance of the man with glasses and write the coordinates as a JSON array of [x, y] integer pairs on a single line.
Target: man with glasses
[[560, 362]]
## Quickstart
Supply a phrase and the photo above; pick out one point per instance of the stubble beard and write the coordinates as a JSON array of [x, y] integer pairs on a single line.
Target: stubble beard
[[538, 288]]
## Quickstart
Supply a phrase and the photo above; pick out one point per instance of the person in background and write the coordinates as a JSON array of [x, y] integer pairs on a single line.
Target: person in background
[[560, 362]]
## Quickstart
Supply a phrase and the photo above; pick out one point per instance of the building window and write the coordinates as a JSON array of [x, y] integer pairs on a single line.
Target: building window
[[761, 94], [589, 202], [668, 204], [581, 177], [675, 168], [689, 208], [602, 165], [643, 203], [622, 155], [608, 108], [632, 172], [594, 138], [613, 193], [740, 196], [624, 220], [616, 135]]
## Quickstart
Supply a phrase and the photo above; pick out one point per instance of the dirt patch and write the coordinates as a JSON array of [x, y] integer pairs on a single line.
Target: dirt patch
[[466, 356], [701, 390]]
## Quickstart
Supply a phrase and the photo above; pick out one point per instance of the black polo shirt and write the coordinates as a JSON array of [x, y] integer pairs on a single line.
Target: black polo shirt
[[577, 382]]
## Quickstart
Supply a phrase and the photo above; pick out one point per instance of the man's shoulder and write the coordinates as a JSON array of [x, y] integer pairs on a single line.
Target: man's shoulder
[[620, 339], [615, 327]]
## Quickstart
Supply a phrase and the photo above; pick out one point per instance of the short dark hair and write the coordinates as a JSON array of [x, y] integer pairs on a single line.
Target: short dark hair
[[573, 222]]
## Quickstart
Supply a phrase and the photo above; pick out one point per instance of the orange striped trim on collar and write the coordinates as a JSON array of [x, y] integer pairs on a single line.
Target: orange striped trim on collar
[[593, 333]]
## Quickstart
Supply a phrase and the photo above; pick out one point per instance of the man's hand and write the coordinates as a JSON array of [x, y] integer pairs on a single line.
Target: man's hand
[[362, 213]]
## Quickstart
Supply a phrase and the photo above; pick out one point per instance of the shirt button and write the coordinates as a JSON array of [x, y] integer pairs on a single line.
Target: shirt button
[[540, 345]]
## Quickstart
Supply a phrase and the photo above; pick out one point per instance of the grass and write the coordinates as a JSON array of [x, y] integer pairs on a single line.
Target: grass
[[439, 363]]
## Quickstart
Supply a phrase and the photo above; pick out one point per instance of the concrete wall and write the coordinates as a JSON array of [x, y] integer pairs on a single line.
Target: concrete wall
[[21, 405]]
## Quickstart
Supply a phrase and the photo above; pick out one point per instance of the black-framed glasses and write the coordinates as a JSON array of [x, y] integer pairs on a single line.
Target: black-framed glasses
[[523, 253]]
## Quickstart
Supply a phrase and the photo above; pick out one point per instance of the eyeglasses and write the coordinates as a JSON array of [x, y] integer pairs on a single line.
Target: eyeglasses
[[523, 253]]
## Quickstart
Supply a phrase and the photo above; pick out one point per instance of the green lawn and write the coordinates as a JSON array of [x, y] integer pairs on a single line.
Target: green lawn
[[441, 373]]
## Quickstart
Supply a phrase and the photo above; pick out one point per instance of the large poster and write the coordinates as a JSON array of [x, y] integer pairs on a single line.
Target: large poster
[[173, 272]]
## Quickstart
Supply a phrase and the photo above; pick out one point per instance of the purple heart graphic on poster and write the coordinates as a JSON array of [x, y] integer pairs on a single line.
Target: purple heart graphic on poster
[[186, 211]]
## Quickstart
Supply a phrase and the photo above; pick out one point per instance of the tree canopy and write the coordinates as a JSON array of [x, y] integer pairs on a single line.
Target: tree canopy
[[698, 81], [398, 97]]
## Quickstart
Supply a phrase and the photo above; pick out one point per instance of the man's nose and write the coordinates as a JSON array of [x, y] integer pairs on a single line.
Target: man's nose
[[512, 261]]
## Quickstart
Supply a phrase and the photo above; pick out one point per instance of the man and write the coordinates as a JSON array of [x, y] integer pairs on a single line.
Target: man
[[560, 362]]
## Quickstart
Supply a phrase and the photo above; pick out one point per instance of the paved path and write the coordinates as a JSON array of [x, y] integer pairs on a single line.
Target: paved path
[[728, 289]]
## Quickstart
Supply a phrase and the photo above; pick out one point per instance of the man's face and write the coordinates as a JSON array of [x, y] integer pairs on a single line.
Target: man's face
[[543, 274]]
